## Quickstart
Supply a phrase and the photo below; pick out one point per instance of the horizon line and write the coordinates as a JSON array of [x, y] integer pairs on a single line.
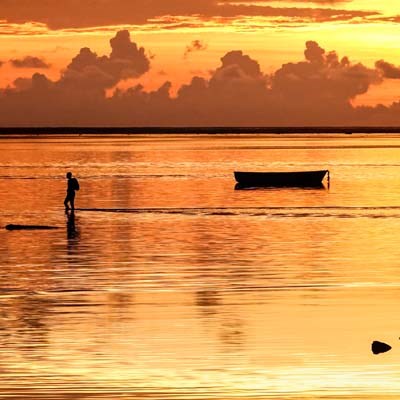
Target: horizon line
[[126, 130]]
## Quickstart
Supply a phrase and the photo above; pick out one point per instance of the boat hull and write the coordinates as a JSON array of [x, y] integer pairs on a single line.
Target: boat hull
[[294, 179]]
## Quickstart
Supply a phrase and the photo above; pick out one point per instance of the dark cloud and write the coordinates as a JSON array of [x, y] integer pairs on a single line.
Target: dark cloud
[[88, 71], [92, 13], [196, 45], [317, 90], [388, 70], [30, 62], [322, 88], [324, 77], [243, 64], [314, 53]]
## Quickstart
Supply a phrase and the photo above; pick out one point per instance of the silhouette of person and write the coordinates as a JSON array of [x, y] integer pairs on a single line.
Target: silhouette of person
[[72, 186]]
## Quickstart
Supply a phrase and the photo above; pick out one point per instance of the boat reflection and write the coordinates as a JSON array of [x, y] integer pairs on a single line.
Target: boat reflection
[[319, 186]]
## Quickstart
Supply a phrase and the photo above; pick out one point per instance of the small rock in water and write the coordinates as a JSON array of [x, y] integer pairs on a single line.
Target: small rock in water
[[380, 347]]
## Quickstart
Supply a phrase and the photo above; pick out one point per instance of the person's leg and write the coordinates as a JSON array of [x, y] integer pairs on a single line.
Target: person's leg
[[66, 202]]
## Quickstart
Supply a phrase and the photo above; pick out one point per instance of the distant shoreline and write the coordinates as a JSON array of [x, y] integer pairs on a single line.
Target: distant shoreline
[[99, 131]]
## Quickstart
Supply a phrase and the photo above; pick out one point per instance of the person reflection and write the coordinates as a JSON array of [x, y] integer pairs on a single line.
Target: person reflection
[[208, 301], [72, 233]]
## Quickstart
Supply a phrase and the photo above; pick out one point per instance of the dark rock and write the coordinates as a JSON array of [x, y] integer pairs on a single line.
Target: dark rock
[[12, 227], [380, 347]]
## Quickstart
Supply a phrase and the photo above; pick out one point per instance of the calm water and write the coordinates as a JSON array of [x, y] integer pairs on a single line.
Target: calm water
[[193, 289]]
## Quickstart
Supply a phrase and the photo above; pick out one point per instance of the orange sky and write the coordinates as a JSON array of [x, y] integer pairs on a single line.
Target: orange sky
[[187, 38]]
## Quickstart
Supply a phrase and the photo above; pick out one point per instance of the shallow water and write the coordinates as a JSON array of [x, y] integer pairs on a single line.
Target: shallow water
[[171, 284]]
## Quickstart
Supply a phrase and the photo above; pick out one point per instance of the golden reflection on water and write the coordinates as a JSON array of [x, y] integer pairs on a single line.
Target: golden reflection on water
[[194, 289]]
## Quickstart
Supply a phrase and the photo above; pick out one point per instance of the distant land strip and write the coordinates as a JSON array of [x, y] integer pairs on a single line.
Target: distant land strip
[[224, 130]]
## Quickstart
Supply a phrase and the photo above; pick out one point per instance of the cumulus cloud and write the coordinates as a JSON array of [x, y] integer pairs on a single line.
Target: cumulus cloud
[[324, 76], [314, 53], [30, 62], [322, 88], [89, 71], [196, 45], [239, 62], [317, 90], [388, 70]]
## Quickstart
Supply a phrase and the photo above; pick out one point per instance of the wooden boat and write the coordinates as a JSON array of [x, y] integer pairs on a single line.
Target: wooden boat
[[295, 179]]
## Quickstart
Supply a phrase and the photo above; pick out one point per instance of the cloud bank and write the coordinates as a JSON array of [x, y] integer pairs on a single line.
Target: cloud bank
[[317, 90], [95, 13]]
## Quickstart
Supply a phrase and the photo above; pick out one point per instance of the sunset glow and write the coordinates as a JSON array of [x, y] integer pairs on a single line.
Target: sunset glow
[[200, 199], [186, 39]]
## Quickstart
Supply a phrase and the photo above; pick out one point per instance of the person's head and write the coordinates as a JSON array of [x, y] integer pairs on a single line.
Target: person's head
[[69, 175]]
